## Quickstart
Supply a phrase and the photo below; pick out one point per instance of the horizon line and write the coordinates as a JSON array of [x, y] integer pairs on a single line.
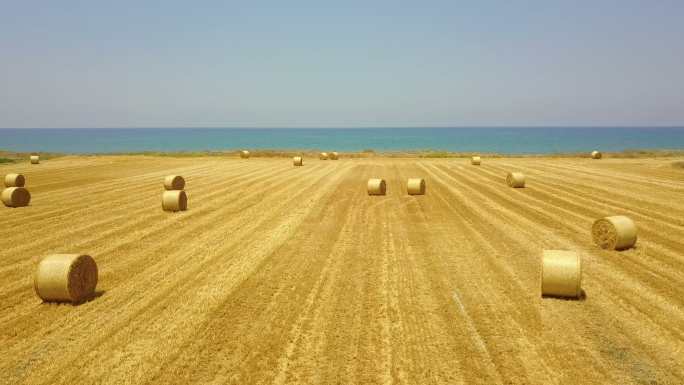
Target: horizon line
[[336, 127]]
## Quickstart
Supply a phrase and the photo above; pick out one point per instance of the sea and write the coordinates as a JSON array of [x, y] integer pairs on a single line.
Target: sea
[[502, 140]]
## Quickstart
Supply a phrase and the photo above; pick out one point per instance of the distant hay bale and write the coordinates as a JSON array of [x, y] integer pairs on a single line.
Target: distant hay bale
[[244, 154], [415, 186], [596, 155], [334, 155], [377, 186], [298, 161], [475, 161], [35, 159], [14, 180], [174, 200], [516, 179], [561, 274], [614, 233], [174, 182], [323, 156], [15, 197], [66, 278]]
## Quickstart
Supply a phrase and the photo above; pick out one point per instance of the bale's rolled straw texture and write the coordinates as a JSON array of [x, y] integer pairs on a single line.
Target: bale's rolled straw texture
[[14, 180], [561, 274], [323, 156], [475, 161], [376, 186], [15, 197], [244, 154], [596, 155], [614, 233], [174, 182], [334, 155], [415, 186], [298, 161], [66, 278], [35, 159], [515, 179], [174, 200]]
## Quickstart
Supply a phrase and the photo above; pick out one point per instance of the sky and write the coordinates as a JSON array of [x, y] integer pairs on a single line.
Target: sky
[[341, 64]]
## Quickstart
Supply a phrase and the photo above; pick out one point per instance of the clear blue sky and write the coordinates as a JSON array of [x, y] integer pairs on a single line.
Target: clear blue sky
[[352, 63]]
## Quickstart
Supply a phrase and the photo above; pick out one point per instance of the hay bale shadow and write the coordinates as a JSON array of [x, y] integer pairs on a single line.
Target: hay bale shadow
[[97, 294], [582, 297], [92, 297]]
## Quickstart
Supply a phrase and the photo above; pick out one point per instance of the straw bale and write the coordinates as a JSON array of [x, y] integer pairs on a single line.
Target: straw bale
[[15, 197], [174, 182], [561, 274], [516, 179], [614, 233], [415, 186], [174, 200], [66, 278], [298, 161], [14, 180], [377, 186]]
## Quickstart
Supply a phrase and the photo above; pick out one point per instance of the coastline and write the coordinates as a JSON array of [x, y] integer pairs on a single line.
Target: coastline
[[14, 156]]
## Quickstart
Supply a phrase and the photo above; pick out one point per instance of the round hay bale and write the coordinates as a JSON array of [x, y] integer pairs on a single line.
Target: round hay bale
[[323, 156], [561, 274], [15, 197], [174, 200], [415, 186], [334, 155], [66, 278], [614, 233], [174, 182], [475, 161], [516, 179], [377, 186], [14, 180], [596, 155], [298, 161], [244, 154], [35, 159]]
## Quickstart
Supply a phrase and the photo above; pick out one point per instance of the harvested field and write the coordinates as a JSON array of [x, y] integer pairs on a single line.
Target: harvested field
[[281, 274]]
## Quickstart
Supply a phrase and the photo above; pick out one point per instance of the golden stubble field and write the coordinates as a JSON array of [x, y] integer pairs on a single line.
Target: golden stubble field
[[279, 274]]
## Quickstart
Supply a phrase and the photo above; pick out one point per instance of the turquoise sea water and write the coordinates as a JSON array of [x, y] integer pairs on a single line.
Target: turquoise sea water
[[511, 140]]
